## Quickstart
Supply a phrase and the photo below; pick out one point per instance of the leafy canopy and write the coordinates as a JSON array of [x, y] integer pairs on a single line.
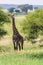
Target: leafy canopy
[[3, 19], [32, 26]]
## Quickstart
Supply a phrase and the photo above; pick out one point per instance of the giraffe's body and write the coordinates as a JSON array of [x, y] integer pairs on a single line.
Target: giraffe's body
[[17, 38]]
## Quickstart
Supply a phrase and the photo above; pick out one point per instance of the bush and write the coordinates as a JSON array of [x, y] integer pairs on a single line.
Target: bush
[[32, 26], [3, 19]]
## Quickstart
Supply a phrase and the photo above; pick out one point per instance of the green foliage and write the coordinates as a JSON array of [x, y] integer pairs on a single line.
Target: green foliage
[[2, 32], [33, 24], [3, 19], [21, 58]]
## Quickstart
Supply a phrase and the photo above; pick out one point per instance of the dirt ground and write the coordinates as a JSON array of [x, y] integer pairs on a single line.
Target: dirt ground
[[5, 41]]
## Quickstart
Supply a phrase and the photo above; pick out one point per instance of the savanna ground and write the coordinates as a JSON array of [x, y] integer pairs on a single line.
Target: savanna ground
[[31, 55]]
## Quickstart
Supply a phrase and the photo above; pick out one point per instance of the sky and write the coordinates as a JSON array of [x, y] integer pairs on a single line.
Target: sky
[[31, 2]]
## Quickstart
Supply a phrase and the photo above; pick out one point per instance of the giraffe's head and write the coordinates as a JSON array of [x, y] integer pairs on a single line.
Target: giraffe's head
[[11, 15]]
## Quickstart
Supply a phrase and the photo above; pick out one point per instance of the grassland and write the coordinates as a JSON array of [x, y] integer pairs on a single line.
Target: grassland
[[31, 55]]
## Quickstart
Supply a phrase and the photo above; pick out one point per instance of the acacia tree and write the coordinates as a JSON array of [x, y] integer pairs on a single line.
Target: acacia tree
[[11, 10], [3, 19], [32, 26]]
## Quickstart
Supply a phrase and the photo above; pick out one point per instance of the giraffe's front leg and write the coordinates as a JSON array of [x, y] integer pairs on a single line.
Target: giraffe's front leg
[[15, 45]]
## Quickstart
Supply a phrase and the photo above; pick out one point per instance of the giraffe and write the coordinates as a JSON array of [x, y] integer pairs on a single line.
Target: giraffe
[[17, 38]]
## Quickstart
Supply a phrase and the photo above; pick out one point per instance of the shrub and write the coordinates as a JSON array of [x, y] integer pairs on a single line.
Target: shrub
[[32, 26]]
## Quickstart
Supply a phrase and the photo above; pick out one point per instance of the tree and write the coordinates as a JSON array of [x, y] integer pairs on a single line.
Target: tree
[[25, 7], [32, 26], [3, 19], [11, 10]]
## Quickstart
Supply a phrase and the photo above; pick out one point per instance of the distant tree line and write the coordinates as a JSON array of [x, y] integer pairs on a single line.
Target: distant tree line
[[24, 8]]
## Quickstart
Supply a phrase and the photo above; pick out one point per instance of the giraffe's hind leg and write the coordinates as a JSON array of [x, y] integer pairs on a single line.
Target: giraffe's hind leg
[[19, 46], [22, 44]]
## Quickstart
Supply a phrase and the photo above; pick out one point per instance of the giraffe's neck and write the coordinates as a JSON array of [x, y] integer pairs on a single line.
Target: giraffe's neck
[[15, 31]]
